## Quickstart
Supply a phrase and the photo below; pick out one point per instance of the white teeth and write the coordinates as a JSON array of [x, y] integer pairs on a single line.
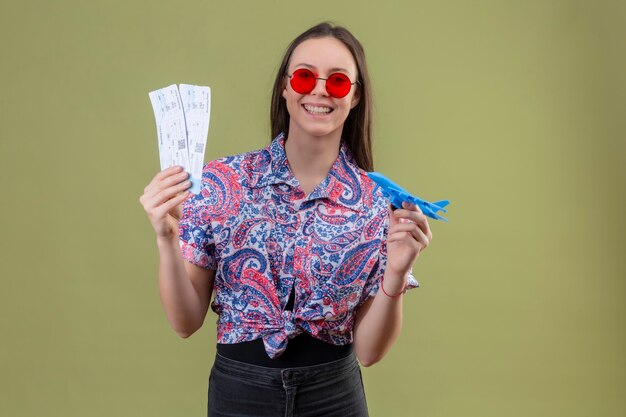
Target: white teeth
[[317, 110]]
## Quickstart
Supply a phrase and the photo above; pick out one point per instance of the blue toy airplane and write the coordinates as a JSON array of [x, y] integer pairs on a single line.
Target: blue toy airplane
[[397, 195]]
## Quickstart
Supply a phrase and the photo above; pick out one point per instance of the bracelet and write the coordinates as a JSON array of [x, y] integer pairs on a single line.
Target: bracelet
[[385, 292]]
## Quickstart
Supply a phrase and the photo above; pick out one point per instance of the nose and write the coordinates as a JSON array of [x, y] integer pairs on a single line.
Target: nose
[[320, 87]]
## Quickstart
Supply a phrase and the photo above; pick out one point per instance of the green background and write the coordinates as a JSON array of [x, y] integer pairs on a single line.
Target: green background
[[512, 110]]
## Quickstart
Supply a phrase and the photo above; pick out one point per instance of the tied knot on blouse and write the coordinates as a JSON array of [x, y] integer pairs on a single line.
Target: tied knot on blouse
[[254, 225], [276, 339]]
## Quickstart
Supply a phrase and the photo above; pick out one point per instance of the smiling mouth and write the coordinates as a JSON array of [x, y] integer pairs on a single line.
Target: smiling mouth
[[317, 110]]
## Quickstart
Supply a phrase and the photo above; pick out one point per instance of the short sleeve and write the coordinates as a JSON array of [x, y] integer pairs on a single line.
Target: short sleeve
[[197, 243], [372, 285]]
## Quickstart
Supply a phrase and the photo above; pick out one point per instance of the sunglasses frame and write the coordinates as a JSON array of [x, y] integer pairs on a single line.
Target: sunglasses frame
[[320, 78]]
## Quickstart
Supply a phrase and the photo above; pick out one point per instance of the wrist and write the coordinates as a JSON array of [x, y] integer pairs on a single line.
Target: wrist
[[168, 240], [393, 287]]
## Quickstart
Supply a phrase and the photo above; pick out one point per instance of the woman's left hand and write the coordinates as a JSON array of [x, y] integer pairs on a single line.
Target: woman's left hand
[[409, 234]]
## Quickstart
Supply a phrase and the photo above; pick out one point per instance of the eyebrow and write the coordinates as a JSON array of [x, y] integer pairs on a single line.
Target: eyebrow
[[313, 67]]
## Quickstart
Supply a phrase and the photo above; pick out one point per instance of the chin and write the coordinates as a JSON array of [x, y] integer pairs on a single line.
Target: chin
[[317, 130], [321, 133]]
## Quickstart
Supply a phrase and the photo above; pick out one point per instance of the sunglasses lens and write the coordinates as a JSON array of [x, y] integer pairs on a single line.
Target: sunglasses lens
[[338, 85], [302, 81]]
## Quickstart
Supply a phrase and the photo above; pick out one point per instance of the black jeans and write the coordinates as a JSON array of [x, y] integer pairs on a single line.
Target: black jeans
[[330, 389]]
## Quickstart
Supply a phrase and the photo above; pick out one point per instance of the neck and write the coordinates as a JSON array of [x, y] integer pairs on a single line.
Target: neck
[[311, 158]]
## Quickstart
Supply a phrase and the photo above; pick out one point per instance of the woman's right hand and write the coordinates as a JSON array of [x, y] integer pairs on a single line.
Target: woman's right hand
[[162, 199]]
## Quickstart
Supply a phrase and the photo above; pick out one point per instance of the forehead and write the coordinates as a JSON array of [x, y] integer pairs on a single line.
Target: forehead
[[323, 54]]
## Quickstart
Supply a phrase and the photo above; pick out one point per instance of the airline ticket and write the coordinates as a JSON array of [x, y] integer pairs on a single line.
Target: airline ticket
[[182, 115]]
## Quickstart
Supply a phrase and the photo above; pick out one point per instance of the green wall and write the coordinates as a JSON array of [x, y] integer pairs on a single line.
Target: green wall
[[513, 110]]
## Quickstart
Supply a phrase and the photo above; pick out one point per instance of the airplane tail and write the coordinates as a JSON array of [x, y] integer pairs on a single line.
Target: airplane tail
[[439, 206]]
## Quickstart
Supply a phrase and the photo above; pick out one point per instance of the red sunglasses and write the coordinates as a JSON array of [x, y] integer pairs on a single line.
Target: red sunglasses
[[303, 81]]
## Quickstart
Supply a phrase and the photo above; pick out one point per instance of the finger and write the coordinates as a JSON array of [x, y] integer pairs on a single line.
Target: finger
[[414, 215], [171, 204], [422, 220], [416, 246], [168, 171], [166, 194], [408, 210], [408, 205], [404, 216], [159, 181], [173, 190], [406, 239], [164, 179], [392, 218], [411, 229], [174, 179]]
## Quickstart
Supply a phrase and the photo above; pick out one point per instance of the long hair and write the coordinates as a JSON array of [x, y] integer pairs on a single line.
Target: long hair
[[357, 129]]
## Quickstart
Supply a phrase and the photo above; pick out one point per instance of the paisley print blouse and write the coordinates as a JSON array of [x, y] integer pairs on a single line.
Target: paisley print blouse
[[254, 225]]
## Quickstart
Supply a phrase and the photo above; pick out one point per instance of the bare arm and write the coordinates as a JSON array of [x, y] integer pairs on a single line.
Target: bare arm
[[185, 288], [378, 321]]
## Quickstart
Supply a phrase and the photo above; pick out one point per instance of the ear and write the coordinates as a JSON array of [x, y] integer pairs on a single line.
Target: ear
[[284, 87], [355, 98]]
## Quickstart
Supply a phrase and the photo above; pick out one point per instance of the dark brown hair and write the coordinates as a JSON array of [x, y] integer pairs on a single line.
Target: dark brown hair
[[357, 129]]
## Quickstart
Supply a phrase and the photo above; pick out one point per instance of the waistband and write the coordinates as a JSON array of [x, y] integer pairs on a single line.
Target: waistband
[[302, 350], [286, 376]]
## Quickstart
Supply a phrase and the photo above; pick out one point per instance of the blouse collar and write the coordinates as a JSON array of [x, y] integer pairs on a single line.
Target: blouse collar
[[342, 185]]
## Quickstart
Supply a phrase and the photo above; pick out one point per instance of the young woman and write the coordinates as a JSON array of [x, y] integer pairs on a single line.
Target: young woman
[[295, 242]]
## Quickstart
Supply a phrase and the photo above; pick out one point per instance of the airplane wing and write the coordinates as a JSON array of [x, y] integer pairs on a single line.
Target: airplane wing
[[397, 195]]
